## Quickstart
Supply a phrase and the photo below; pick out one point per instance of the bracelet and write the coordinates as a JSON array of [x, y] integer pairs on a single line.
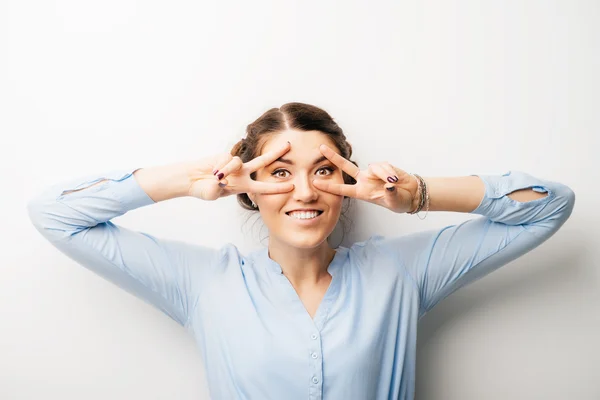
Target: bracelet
[[423, 194], [419, 194], [426, 198]]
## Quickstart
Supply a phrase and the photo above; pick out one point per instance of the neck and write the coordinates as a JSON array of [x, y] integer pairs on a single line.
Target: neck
[[303, 267]]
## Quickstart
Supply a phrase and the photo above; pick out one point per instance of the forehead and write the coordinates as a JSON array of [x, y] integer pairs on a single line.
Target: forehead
[[304, 143]]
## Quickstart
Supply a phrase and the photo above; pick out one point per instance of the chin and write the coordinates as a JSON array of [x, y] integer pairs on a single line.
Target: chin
[[305, 240], [302, 235]]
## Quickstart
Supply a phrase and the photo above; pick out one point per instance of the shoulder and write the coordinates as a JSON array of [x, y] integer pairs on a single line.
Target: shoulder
[[377, 246], [381, 257], [376, 250], [207, 257]]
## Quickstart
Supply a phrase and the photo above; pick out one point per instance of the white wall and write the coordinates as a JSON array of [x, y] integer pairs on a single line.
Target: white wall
[[438, 87]]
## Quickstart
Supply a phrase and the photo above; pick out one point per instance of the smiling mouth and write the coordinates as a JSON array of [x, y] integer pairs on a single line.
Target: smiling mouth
[[304, 215]]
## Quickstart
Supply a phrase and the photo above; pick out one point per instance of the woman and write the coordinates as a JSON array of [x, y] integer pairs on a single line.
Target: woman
[[300, 319]]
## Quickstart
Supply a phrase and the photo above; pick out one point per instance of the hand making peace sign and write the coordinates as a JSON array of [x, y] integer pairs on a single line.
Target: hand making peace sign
[[373, 184], [234, 175]]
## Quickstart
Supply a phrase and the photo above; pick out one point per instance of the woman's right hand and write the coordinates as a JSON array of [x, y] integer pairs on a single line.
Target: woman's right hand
[[236, 176]]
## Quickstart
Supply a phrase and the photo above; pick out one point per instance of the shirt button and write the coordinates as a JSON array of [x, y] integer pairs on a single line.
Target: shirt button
[[315, 355], [315, 380], [314, 336]]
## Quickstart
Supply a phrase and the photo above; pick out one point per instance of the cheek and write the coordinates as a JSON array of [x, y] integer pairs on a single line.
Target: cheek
[[335, 202], [272, 202]]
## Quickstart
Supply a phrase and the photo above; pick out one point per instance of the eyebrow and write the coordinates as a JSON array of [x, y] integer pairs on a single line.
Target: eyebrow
[[290, 162]]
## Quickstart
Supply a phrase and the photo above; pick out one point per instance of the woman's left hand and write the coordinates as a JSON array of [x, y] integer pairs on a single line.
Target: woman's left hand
[[381, 183]]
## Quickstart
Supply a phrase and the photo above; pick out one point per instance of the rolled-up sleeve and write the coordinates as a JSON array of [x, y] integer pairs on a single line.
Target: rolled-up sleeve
[[75, 217], [440, 261]]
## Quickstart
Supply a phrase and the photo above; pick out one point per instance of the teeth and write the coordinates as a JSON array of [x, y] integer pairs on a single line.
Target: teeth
[[303, 214]]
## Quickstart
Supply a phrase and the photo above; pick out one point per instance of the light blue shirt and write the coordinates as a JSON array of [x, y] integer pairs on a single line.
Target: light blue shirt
[[256, 338]]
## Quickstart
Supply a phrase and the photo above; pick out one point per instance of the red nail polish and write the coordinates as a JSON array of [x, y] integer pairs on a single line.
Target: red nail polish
[[220, 176]]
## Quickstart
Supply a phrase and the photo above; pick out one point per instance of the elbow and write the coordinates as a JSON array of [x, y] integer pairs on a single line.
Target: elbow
[[37, 214], [33, 210], [568, 201], [561, 202], [564, 203], [44, 217]]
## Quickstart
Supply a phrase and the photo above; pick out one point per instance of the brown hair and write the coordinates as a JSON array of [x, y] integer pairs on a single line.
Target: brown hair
[[299, 116]]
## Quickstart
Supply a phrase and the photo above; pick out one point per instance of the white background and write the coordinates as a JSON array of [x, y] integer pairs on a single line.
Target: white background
[[440, 88]]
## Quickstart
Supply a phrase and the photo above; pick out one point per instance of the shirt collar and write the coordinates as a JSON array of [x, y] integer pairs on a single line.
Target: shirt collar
[[261, 258]]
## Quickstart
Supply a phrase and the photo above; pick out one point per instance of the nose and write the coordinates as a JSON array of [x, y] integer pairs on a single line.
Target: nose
[[304, 190]]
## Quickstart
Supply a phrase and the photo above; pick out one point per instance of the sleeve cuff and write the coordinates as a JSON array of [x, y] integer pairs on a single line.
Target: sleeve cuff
[[498, 186], [128, 191], [120, 183]]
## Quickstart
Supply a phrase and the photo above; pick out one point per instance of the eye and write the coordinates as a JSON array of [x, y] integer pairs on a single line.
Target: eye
[[328, 169], [277, 171]]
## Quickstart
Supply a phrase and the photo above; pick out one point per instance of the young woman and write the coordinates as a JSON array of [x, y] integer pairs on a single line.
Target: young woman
[[300, 319]]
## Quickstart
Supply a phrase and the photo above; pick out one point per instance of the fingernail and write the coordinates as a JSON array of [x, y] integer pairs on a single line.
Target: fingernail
[[222, 184], [391, 189], [395, 178], [221, 175], [215, 171], [391, 180]]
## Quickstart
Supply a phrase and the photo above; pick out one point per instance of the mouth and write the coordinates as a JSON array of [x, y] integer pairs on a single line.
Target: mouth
[[304, 216]]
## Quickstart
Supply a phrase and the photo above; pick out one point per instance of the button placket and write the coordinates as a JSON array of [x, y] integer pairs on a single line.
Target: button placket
[[316, 364]]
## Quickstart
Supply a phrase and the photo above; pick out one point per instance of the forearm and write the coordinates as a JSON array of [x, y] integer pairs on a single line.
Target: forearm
[[69, 207], [164, 182], [465, 193]]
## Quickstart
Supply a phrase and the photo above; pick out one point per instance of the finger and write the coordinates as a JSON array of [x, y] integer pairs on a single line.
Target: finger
[[270, 188], [336, 188], [379, 171], [404, 177], [340, 161], [391, 170], [221, 161], [267, 158], [233, 165]]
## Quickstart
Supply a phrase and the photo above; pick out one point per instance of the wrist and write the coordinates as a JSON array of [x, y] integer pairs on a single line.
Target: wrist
[[165, 182], [416, 195]]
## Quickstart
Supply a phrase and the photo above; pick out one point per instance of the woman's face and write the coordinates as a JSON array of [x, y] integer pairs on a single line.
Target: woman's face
[[300, 166]]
